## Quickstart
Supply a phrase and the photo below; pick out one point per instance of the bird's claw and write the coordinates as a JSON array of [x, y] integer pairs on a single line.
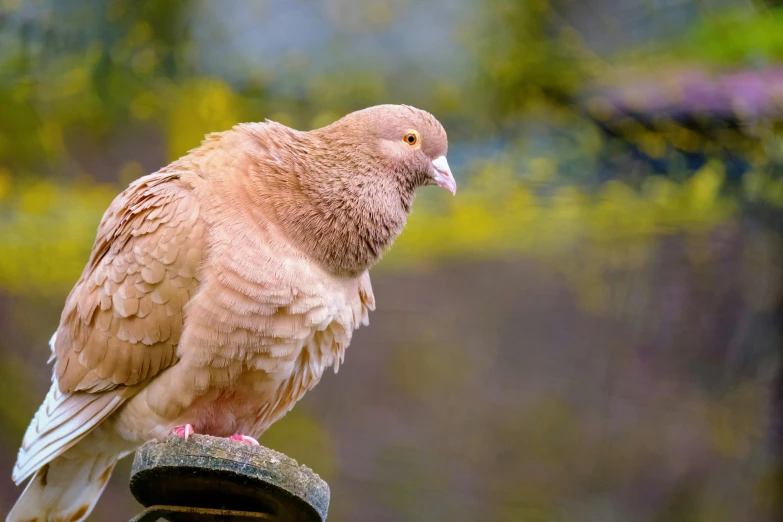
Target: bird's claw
[[186, 431], [183, 431], [244, 438]]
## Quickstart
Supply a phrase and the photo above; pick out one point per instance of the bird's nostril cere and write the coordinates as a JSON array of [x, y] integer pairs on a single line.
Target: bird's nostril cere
[[443, 177]]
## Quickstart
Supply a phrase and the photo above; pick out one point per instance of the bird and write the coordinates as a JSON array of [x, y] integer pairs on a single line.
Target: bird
[[218, 291]]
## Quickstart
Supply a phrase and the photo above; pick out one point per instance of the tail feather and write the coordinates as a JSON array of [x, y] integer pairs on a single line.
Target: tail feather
[[64, 490], [62, 420]]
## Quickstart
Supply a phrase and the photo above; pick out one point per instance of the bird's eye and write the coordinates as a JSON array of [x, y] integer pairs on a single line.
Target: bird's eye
[[412, 138]]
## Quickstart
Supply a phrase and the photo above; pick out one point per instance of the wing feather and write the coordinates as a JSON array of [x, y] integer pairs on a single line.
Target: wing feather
[[121, 322], [124, 316]]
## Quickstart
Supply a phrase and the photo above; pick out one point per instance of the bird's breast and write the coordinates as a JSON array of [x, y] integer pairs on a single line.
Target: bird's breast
[[264, 325], [272, 380], [251, 349]]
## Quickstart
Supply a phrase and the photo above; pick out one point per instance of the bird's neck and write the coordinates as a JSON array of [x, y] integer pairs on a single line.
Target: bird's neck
[[342, 210]]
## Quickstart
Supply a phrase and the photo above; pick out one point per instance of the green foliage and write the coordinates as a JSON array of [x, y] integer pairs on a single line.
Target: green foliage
[[498, 215], [730, 37], [46, 234], [527, 60], [735, 37]]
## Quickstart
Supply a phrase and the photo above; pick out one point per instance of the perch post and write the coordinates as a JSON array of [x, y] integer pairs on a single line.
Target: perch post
[[210, 479]]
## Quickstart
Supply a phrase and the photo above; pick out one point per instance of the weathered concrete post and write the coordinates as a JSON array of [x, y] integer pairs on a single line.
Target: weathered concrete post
[[218, 480]]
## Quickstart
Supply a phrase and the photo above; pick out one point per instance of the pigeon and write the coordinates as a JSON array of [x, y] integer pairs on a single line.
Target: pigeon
[[218, 291]]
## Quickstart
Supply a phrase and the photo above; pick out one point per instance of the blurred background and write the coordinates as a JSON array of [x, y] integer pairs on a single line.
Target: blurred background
[[589, 331]]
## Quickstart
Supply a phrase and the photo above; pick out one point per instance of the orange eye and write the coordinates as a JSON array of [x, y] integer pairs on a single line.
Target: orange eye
[[412, 138]]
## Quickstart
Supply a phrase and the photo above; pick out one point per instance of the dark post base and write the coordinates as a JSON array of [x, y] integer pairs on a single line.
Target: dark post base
[[153, 513], [210, 479]]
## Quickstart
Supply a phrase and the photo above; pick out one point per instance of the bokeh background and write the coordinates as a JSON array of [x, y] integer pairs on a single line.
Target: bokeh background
[[589, 331]]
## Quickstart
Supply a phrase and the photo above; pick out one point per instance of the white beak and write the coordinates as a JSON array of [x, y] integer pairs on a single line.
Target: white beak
[[443, 177]]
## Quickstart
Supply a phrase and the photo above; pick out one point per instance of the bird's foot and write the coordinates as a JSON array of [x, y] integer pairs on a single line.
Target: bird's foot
[[184, 431], [244, 438]]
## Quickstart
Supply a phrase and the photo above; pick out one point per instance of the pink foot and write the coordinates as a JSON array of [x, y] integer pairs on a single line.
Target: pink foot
[[183, 431], [244, 438]]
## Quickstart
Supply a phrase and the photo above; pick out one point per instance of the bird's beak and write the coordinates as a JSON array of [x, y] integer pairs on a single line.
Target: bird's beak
[[443, 177]]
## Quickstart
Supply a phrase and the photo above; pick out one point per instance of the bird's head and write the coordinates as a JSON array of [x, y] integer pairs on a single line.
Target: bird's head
[[343, 192], [407, 143]]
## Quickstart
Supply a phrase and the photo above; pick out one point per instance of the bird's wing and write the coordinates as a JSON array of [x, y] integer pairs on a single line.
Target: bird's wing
[[122, 321]]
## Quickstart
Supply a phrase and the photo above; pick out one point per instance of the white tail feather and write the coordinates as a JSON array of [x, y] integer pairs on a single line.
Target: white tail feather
[[65, 489], [67, 480], [61, 421]]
